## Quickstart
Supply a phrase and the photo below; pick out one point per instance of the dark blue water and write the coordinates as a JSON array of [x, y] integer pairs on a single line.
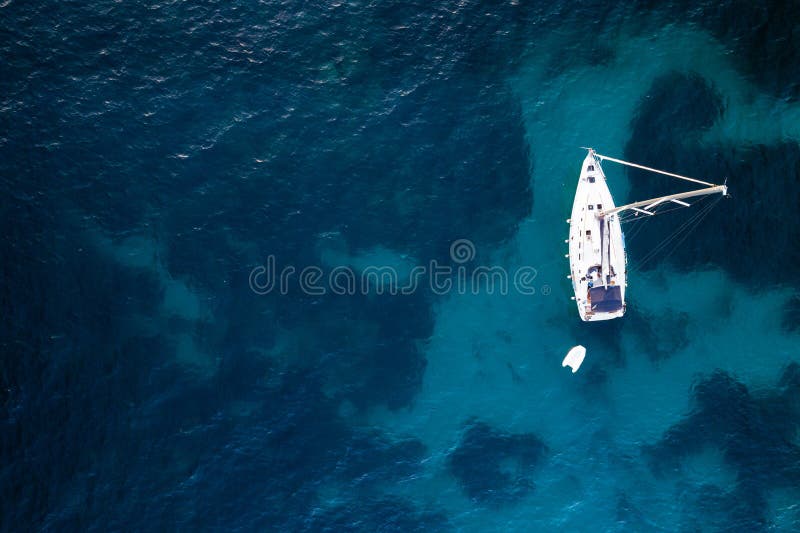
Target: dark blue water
[[153, 153]]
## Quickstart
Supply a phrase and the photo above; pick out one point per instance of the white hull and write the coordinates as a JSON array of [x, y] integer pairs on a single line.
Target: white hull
[[596, 248]]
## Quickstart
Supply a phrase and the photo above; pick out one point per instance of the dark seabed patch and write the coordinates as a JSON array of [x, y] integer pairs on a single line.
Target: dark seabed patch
[[762, 37], [742, 508], [140, 438], [493, 467], [368, 347], [757, 245], [790, 318], [220, 133], [659, 335], [755, 433], [377, 515], [629, 516], [604, 339]]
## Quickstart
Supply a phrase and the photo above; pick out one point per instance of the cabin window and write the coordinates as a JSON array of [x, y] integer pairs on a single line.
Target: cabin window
[[599, 206], [590, 168], [591, 179], [588, 233], [591, 207]]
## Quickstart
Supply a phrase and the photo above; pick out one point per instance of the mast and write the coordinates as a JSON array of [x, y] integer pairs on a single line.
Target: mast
[[606, 260], [603, 249], [643, 205]]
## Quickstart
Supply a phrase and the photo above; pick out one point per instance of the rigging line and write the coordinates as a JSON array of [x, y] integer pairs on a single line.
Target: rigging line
[[636, 217], [643, 219], [684, 234], [666, 242], [690, 231], [662, 211], [688, 222], [640, 221], [674, 235], [628, 216], [688, 226], [636, 230], [620, 161]]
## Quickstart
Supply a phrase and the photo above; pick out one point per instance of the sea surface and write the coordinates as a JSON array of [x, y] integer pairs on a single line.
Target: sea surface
[[160, 160]]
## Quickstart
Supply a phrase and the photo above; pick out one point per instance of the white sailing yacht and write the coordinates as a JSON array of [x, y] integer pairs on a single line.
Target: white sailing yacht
[[598, 263]]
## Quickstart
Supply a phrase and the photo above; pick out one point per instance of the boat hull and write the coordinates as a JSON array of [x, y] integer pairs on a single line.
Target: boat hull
[[596, 248]]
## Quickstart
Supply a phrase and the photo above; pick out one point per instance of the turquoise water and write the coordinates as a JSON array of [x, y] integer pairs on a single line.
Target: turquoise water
[[152, 156]]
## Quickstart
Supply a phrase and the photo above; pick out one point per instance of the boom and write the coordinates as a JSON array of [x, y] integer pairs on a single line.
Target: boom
[[652, 202]]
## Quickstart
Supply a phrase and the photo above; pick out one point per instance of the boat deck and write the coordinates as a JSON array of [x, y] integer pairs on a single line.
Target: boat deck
[[599, 295]]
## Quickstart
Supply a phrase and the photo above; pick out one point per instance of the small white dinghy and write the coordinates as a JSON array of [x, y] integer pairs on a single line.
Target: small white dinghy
[[574, 358], [598, 262]]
